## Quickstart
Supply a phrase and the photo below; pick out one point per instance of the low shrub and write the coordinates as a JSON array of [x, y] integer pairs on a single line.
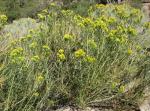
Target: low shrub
[[75, 60]]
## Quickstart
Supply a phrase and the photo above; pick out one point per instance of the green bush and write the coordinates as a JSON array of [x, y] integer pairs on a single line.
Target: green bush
[[71, 59], [20, 28], [15, 9], [13, 31]]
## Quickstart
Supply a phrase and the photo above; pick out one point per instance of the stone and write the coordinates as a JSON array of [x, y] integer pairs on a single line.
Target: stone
[[145, 102], [65, 109], [86, 109], [145, 106], [146, 9]]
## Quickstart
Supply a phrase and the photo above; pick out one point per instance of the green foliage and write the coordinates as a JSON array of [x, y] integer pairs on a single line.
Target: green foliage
[[73, 59], [15, 9], [20, 27], [80, 7]]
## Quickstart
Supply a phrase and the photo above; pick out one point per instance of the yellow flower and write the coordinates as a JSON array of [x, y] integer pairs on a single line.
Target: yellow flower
[[40, 16], [16, 52], [101, 24], [45, 11], [81, 25], [53, 4], [36, 94], [118, 40], [3, 19], [61, 56], [16, 55], [90, 59], [129, 51], [87, 21], [33, 45], [135, 12], [35, 58], [39, 78], [68, 37], [138, 47], [21, 59], [114, 84], [112, 33], [29, 36], [122, 89], [31, 31], [99, 6], [67, 13], [79, 53], [112, 20], [46, 50], [23, 39], [46, 47], [132, 31], [123, 39], [60, 51]]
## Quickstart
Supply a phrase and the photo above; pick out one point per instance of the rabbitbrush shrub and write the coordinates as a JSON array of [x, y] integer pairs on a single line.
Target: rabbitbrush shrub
[[74, 60]]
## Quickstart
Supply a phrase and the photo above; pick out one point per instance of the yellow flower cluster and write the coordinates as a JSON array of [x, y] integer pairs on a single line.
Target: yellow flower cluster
[[135, 12], [68, 37], [61, 55], [35, 58], [46, 47], [16, 55], [87, 21], [90, 59], [36, 94], [80, 53], [67, 13], [3, 19], [22, 39], [112, 20], [130, 51], [112, 33], [33, 45], [120, 10], [132, 31], [39, 78], [100, 6], [53, 4], [46, 50], [78, 19], [29, 36], [45, 11], [16, 52], [99, 23], [118, 35], [41, 16]]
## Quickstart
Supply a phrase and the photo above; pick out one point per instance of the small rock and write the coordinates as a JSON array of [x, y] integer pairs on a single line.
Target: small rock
[[65, 109]]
